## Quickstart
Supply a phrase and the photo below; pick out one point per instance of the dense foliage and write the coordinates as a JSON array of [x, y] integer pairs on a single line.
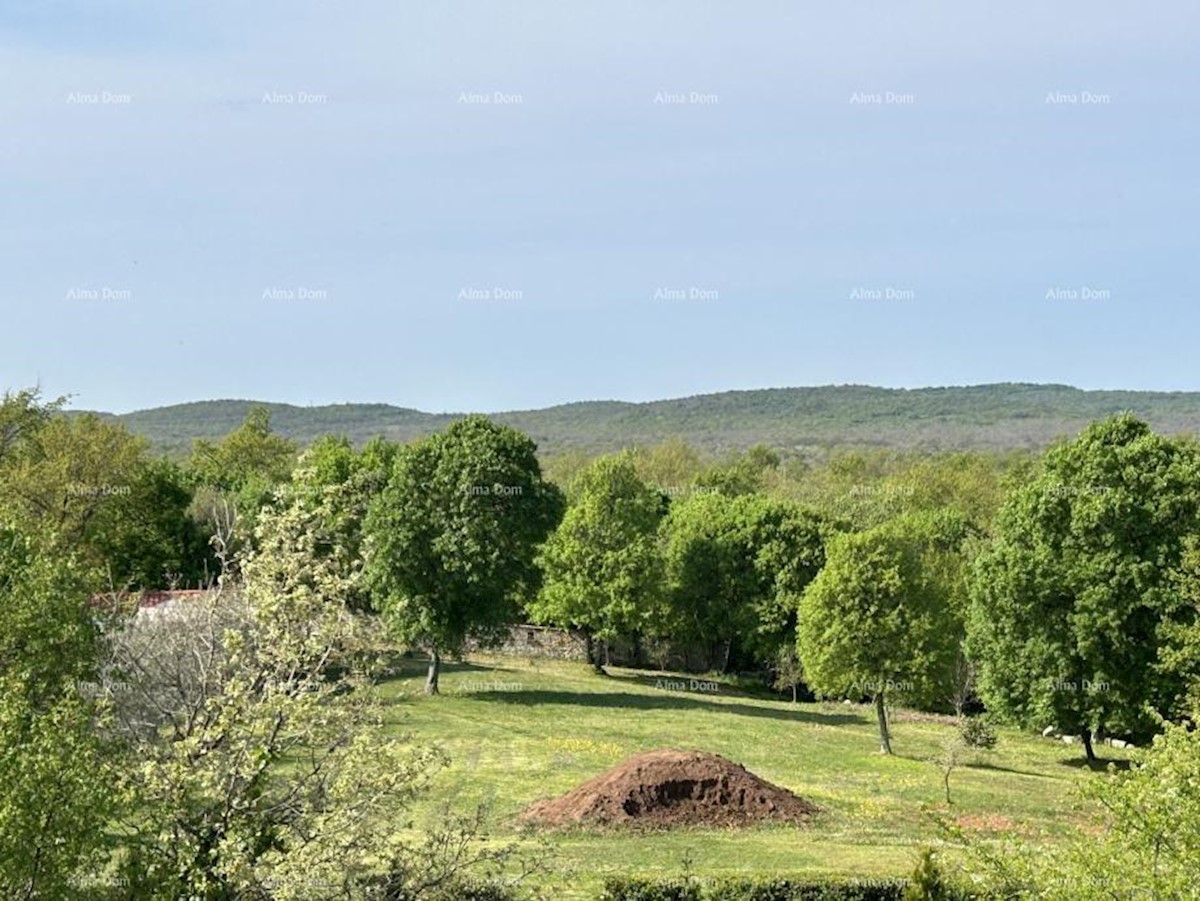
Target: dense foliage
[[231, 748], [452, 536]]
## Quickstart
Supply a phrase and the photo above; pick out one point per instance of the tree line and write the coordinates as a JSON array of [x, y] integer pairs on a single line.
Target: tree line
[[1061, 589]]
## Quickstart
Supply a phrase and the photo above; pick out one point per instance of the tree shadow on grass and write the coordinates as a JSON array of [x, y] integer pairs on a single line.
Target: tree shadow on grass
[[653, 680], [628, 702], [1005, 769], [1099, 765], [400, 666]]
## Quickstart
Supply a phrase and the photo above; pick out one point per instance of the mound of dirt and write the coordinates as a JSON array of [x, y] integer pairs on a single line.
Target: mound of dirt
[[660, 789]]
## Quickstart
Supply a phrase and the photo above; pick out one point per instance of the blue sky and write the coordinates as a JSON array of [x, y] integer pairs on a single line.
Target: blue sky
[[308, 201]]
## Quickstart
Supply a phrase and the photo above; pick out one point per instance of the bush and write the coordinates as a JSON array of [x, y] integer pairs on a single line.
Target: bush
[[807, 890], [927, 883], [784, 889], [462, 890], [976, 732], [637, 888]]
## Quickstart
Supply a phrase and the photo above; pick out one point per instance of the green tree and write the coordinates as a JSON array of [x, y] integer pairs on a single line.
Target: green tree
[[1073, 598], [452, 537], [22, 415], [55, 773], [148, 539], [742, 474], [602, 568], [736, 567], [878, 619], [259, 765], [92, 486], [340, 484], [236, 477]]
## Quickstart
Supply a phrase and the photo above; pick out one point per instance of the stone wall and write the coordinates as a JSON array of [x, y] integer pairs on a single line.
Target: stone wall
[[543, 641]]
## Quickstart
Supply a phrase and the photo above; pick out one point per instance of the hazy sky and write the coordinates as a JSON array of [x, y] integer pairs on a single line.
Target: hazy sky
[[311, 201]]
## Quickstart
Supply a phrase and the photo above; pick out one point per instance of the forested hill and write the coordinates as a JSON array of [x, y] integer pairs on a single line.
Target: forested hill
[[1001, 416]]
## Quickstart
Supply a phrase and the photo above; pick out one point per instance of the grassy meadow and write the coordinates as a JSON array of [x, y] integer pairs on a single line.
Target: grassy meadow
[[518, 730]]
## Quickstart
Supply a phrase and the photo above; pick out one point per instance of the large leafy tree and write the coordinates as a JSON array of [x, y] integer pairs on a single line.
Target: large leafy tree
[[235, 478], [338, 484], [736, 567], [879, 619], [742, 474], [55, 774], [452, 537], [1073, 601], [259, 767], [93, 487], [602, 568]]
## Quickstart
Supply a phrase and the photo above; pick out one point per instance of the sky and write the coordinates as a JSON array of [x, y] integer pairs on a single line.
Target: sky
[[481, 206]]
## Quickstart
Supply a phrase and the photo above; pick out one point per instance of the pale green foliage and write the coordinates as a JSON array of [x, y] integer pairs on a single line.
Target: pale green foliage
[[268, 770], [236, 477], [92, 489], [339, 484], [602, 570], [671, 465], [55, 778], [1144, 845], [878, 620]]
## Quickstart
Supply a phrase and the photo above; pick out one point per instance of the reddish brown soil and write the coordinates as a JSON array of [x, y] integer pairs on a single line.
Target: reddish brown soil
[[661, 789]]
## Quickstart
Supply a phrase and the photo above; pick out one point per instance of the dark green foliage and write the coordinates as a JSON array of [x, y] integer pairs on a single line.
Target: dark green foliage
[[932, 887], [1072, 599], [736, 567], [781, 889], [466, 890], [976, 732], [148, 539], [808, 890], [451, 539], [636, 888], [92, 488]]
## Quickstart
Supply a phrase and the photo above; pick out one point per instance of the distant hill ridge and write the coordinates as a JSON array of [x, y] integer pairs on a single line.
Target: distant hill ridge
[[996, 417]]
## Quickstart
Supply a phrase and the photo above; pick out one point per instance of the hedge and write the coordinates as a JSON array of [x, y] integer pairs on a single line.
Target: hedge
[[795, 889]]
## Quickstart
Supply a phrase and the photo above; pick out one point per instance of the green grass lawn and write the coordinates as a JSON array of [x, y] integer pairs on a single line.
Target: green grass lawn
[[519, 730]]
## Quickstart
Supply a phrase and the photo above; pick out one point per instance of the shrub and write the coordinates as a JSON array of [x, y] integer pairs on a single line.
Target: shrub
[[807, 890], [976, 732], [927, 883], [638, 888]]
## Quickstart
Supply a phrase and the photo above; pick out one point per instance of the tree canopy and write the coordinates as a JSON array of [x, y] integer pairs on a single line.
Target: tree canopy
[[452, 537], [1073, 598]]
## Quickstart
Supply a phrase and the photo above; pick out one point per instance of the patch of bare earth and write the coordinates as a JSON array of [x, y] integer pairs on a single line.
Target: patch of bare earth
[[664, 789]]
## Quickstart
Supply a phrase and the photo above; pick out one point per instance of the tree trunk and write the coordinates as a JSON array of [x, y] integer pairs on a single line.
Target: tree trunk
[[435, 671], [728, 652], [795, 698], [592, 657], [1087, 745], [885, 740]]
